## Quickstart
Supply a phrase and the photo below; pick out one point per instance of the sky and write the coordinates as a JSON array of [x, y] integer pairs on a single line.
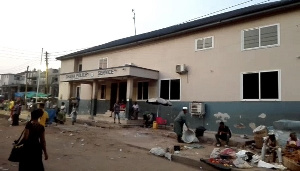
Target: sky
[[30, 28]]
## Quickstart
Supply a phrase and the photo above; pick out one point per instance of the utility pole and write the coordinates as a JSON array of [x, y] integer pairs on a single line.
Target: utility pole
[[134, 21], [46, 73], [26, 75]]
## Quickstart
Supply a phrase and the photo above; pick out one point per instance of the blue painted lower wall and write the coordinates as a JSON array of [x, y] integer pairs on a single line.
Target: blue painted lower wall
[[237, 115]]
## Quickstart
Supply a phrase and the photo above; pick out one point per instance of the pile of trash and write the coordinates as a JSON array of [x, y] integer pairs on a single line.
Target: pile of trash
[[242, 159]]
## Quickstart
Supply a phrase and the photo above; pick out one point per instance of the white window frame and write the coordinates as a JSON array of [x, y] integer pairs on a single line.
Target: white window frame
[[259, 36], [137, 91], [259, 92], [204, 38], [170, 88], [106, 63]]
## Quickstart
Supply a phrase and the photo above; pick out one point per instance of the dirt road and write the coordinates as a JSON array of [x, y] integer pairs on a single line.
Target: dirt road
[[81, 147]]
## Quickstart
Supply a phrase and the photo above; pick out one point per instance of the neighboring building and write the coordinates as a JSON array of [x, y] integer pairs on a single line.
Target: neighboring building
[[241, 64], [12, 83]]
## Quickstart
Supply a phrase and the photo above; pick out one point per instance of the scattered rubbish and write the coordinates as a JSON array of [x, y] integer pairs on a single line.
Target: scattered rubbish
[[120, 149], [198, 146], [82, 144], [158, 151], [269, 166], [242, 164], [72, 143], [168, 156], [71, 134], [111, 158], [82, 140], [62, 132], [227, 153], [187, 147], [176, 152], [215, 153], [85, 124]]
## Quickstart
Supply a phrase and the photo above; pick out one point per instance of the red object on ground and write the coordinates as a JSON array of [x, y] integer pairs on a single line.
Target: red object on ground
[[161, 121]]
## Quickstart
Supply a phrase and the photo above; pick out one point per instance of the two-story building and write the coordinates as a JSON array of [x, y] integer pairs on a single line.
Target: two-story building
[[241, 64]]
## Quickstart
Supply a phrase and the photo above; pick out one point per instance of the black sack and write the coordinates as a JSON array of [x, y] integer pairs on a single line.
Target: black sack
[[17, 150], [16, 153]]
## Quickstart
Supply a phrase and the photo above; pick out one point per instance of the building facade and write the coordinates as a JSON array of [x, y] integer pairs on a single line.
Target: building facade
[[242, 65], [12, 83]]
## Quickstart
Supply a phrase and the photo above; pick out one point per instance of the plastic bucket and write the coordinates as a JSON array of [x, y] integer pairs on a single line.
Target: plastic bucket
[[155, 126], [188, 136]]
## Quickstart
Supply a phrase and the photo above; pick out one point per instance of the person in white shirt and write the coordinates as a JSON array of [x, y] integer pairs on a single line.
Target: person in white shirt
[[136, 110]]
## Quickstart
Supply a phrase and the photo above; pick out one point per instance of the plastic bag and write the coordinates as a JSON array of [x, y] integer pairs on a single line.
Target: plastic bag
[[240, 163], [158, 151], [215, 153]]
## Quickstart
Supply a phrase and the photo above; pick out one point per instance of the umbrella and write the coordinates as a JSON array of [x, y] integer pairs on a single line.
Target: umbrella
[[159, 101]]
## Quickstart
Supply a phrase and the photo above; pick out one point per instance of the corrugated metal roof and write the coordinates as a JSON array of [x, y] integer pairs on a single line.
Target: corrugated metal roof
[[185, 27]]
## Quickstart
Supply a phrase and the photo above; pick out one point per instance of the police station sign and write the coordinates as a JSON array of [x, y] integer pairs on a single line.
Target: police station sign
[[88, 75]]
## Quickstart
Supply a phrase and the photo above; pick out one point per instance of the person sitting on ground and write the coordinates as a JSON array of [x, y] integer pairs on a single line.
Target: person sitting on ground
[[271, 145], [293, 141], [148, 119], [178, 124], [223, 133], [45, 117]]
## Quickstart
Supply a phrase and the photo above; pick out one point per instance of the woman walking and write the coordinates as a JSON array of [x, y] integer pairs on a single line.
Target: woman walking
[[16, 114], [34, 144]]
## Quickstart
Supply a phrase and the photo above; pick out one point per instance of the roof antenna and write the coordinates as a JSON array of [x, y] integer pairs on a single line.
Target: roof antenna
[[134, 22]]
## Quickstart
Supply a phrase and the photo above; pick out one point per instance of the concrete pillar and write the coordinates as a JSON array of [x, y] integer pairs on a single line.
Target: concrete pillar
[[94, 98], [129, 96], [69, 97]]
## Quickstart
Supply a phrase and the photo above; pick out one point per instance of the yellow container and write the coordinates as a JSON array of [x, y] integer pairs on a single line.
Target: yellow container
[[155, 126]]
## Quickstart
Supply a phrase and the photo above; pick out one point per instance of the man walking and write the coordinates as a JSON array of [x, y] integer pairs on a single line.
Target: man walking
[[117, 111]]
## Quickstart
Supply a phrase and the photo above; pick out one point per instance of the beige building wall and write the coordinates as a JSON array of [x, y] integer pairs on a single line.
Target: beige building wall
[[214, 74]]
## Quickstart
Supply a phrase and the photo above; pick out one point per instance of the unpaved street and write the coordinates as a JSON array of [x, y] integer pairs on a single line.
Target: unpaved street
[[82, 147]]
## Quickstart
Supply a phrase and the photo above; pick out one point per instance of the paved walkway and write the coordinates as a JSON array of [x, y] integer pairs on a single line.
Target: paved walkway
[[160, 137]]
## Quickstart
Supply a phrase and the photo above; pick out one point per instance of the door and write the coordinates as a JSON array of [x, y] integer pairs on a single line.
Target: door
[[122, 91], [113, 95]]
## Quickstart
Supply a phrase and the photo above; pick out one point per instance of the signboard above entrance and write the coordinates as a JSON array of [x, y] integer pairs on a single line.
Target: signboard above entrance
[[110, 72]]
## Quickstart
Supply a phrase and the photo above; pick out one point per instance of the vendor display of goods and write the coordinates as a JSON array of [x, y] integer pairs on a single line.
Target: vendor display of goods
[[224, 162]]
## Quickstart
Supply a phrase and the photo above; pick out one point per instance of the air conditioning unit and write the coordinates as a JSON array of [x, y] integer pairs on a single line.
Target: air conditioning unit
[[181, 69]]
